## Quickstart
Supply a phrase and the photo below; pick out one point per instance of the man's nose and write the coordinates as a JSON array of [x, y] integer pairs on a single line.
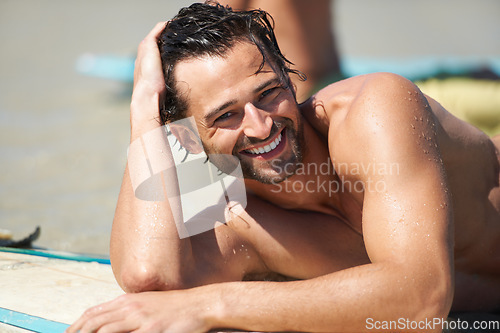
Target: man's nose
[[257, 123]]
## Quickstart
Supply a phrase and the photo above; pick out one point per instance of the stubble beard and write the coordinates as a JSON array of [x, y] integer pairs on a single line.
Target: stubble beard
[[267, 172], [278, 170]]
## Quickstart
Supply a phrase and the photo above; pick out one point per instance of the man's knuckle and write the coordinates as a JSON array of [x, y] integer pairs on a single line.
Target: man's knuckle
[[90, 325], [91, 311], [133, 307]]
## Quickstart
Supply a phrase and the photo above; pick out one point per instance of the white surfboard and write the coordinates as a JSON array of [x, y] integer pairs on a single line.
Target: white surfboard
[[45, 291]]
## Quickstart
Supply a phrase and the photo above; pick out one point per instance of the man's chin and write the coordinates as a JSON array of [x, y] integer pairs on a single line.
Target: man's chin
[[278, 167], [266, 178], [271, 173]]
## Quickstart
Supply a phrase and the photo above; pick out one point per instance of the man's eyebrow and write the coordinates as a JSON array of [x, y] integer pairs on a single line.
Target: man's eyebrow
[[269, 82], [218, 109]]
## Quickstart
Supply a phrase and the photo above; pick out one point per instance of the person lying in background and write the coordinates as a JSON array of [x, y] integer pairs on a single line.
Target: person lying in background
[[405, 224]]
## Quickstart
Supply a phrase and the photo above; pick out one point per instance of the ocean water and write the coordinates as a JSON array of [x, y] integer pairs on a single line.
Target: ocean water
[[64, 136]]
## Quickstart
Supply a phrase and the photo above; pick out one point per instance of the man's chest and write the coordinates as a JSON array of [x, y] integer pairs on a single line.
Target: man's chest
[[304, 245]]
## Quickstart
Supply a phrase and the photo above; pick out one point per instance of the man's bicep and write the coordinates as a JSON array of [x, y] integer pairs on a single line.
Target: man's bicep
[[406, 208], [409, 221]]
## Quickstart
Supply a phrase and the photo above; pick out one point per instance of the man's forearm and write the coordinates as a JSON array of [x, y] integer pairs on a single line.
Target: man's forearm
[[145, 245], [146, 250], [345, 301]]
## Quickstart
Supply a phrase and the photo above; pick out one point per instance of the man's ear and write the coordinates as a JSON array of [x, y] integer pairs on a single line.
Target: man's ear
[[187, 138]]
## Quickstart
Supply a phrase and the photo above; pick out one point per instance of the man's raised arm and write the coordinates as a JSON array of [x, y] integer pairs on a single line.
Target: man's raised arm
[[144, 236], [147, 250]]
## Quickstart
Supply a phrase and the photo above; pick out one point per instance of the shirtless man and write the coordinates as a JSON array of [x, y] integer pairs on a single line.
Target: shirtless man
[[425, 241]]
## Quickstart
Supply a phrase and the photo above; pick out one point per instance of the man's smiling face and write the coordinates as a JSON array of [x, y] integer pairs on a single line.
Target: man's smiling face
[[242, 111]]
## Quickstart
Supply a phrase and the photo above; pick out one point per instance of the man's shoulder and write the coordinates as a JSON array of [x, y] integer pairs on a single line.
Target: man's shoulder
[[355, 92], [356, 99], [371, 114], [382, 99]]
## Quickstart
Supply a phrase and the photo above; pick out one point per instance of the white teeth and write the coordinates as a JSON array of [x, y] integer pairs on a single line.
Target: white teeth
[[265, 149]]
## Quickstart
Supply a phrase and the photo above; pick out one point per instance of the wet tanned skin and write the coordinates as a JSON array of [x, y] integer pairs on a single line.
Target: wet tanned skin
[[332, 237], [425, 241]]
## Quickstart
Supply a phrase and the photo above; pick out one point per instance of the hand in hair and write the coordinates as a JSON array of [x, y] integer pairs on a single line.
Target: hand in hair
[[149, 85]]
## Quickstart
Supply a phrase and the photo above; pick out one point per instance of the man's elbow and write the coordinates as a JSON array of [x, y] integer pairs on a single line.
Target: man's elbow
[[141, 278], [438, 299]]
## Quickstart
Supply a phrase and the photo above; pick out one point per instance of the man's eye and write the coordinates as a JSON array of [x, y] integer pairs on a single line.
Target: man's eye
[[224, 116], [268, 92], [271, 93]]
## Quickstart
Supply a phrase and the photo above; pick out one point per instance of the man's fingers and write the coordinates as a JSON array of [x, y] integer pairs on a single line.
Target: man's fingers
[[156, 31], [148, 62], [78, 324], [100, 311], [113, 321], [150, 41]]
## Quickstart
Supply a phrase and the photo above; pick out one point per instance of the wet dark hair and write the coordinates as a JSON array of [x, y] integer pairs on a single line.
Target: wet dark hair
[[212, 29]]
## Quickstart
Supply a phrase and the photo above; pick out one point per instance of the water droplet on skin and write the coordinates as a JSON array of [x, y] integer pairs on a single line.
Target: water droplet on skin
[[421, 119], [415, 117], [409, 99], [412, 126]]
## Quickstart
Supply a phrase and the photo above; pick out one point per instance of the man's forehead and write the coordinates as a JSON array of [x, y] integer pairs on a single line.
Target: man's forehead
[[241, 56], [206, 80]]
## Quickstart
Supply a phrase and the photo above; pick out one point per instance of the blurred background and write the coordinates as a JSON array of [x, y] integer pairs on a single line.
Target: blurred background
[[64, 135]]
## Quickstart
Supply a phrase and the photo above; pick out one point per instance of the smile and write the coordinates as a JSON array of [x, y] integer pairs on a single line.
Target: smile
[[266, 148]]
